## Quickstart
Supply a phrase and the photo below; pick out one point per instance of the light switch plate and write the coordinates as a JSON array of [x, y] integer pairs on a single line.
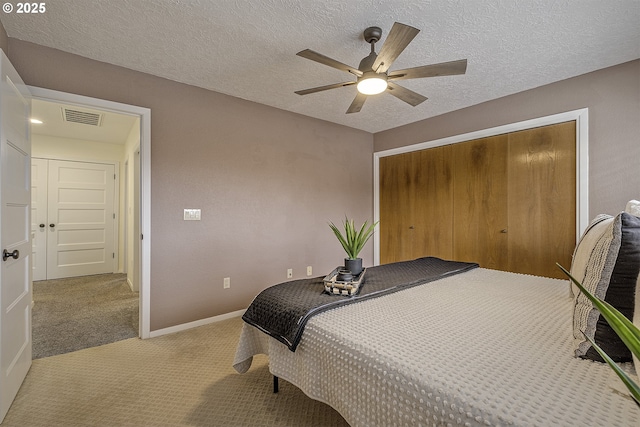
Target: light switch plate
[[192, 214]]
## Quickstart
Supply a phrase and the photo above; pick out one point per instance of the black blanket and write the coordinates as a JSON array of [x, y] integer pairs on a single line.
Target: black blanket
[[282, 311]]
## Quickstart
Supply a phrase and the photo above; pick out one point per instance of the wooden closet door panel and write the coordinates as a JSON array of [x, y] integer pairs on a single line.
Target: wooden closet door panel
[[397, 186], [542, 197], [480, 202], [432, 220]]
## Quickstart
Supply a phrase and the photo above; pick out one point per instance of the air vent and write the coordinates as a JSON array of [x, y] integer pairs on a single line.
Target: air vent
[[83, 117]]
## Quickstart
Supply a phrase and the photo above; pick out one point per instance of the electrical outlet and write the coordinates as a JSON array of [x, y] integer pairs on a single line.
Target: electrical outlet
[[192, 214], [290, 273], [226, 283], [309, 270]]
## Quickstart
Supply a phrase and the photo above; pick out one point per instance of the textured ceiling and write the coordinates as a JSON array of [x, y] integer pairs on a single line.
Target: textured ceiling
[[247, 48]]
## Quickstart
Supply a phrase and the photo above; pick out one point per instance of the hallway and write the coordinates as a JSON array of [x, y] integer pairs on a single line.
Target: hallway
[[80, 312]]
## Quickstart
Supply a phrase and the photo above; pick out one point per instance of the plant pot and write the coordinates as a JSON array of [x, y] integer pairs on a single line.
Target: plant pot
[[353, 265], [344, 275]]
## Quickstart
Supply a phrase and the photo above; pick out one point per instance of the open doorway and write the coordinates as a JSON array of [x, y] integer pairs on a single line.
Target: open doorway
[[132, 205], [85, 227]]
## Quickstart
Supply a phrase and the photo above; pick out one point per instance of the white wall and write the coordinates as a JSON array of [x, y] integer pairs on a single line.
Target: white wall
[[52, 147]]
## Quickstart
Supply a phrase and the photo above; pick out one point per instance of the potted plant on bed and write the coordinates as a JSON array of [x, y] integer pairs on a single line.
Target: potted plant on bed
[[353, 241]]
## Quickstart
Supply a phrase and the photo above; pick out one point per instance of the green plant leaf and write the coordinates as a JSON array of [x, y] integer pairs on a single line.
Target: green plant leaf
[[631, 385], [626, 330], [365, 235], [353, 240], [349, 229], [341, 238]]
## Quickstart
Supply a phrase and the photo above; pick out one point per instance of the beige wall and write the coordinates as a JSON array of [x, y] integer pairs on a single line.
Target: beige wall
[[4, 40], [613, 98], [267, 182]]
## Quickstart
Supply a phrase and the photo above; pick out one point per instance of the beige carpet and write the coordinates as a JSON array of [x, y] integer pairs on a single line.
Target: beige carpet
[[183, 379]]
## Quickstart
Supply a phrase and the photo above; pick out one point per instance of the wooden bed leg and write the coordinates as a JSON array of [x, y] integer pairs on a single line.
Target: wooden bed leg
[[275, 384]]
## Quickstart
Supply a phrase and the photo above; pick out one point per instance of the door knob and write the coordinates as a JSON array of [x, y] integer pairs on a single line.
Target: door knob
[[52, 225], [41, 225], [6, 254], [504, 230]]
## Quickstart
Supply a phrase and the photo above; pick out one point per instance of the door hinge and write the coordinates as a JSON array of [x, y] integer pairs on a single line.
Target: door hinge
[[142, 237], [113, 255], [114, 216], [114, 176]]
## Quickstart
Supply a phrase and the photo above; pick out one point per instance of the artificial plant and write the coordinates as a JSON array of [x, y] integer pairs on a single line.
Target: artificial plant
[[353, 240]]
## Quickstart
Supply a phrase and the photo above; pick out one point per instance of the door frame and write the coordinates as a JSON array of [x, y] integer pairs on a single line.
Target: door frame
[[145, 183], [581, 118], [125, 224]]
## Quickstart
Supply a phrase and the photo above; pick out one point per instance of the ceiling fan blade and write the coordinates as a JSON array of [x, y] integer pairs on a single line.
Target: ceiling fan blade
[[397, 40], [406, 95], [318, 57], [433, 70], [321, 88], [357, 103]]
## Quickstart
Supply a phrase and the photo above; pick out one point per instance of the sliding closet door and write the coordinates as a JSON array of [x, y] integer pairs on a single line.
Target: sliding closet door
[[432, 221], [542, 199], [415, 205], [480, 217], [507, 202], [397, 197]]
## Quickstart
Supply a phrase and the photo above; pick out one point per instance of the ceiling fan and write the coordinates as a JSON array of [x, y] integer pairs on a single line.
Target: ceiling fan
[[373, 75]]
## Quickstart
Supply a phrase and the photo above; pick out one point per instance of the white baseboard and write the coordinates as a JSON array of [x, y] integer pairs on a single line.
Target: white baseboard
[[202, 322]]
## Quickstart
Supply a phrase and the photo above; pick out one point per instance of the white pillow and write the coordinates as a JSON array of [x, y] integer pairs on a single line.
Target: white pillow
[[611, 274], [584, 249], [633, 208]]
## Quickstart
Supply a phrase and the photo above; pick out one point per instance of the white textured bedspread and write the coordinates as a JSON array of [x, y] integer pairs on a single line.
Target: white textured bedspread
[[481, 348]]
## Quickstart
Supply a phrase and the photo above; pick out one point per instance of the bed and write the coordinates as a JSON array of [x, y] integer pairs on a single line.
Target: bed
[[482, 347]]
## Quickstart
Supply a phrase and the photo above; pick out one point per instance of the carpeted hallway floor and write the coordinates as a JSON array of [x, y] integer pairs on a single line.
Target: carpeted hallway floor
[[182, 379], [81, 312]]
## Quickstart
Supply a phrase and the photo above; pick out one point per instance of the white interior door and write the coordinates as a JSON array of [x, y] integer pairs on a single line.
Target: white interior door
[[15, 239], [81, 219], [39, 225]]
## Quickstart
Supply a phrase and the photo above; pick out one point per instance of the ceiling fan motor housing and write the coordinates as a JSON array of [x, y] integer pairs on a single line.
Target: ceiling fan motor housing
[[372, 34], [367, 62]]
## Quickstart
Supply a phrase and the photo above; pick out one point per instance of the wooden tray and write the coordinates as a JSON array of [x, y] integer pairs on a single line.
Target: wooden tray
[[334, 286]]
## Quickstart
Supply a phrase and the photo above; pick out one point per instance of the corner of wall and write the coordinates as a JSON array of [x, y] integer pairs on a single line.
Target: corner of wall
[[4, 40]]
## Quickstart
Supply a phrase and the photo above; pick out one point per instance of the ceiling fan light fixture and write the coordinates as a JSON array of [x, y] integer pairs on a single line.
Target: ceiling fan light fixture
[[372, 83], [373, 75]]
